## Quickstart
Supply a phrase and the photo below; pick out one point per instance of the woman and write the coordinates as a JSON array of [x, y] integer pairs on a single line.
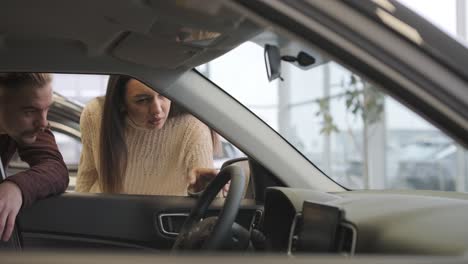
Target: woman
[[136, 142]]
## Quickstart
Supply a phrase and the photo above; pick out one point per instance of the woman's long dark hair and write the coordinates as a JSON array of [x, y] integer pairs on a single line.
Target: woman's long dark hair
[[113, 150]]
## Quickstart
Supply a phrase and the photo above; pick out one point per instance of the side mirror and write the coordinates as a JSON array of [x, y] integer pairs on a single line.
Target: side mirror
[[272, 62]]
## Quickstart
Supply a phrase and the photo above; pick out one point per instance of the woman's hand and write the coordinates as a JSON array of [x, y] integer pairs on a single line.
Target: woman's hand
[[199, 178]]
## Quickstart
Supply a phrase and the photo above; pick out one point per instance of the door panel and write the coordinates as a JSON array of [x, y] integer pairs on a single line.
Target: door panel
[[76, 220]]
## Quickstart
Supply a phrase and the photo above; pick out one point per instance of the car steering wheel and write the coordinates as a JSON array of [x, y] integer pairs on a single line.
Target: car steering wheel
[[213, 232]]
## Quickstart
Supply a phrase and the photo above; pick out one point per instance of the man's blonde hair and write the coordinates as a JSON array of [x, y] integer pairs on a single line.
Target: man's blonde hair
[[16, 80]]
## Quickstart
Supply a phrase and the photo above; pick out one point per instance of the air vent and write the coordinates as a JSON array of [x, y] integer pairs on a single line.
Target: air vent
[[344, 243], [347, 238], [293, 233]]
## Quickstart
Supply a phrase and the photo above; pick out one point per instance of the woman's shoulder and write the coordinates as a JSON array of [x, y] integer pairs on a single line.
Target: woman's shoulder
[[188, 121], [95, 104], [92, 111], [192, 127]]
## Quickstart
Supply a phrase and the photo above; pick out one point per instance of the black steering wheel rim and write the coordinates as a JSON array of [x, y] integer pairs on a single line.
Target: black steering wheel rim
[[227, 216]]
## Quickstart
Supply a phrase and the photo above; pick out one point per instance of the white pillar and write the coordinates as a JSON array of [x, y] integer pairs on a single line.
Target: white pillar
[[284, 99], [461, 171], [462, 25], [376, 162], [376, 153], [326, 157]]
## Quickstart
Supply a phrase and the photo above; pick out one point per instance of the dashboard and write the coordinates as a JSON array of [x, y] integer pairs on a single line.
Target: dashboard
[[300, 221]]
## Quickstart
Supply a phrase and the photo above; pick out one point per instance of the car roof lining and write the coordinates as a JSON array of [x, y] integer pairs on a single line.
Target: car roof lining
[[143, 34]]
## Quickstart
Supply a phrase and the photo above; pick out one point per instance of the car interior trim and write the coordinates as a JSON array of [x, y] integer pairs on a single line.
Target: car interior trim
[[354, 232], [169, 215], [30, 237], [292, 233]]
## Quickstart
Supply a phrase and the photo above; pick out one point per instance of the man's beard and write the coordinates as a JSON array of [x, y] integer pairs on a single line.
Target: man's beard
[[28, 137]]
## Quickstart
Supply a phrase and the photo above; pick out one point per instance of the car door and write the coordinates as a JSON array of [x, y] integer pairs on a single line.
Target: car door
[[136, 222]]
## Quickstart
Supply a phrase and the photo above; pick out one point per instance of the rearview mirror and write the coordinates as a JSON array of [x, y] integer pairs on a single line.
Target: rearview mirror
[[272, 62]]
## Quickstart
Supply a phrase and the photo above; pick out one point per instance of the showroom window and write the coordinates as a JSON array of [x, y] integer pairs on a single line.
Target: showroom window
[[343, 124]]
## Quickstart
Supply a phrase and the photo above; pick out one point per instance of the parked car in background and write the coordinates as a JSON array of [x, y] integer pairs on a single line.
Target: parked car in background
[[427, 165]]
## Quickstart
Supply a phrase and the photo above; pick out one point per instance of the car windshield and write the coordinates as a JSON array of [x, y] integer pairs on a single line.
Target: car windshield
[[343, 124]]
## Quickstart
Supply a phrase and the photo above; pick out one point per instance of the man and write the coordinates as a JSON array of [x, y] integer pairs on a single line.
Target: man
[[24, 101]]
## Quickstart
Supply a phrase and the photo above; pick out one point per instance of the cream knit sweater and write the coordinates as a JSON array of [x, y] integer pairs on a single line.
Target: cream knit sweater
[[159, 161]]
